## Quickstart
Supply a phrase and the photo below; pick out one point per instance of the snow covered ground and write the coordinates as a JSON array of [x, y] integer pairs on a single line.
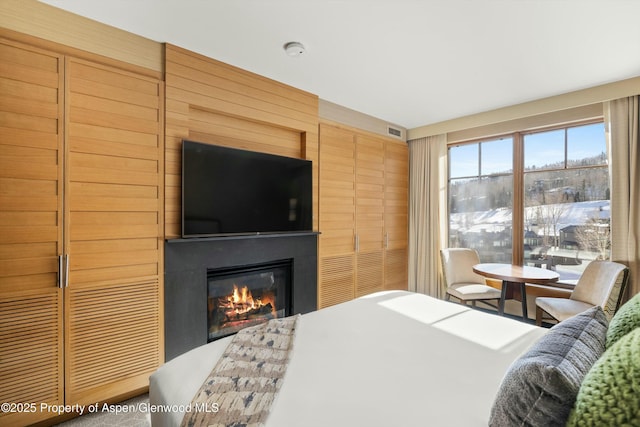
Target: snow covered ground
[[487, 227], [497, 220]]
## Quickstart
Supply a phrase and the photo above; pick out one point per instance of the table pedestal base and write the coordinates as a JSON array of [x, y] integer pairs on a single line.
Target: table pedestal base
[[509, 286]]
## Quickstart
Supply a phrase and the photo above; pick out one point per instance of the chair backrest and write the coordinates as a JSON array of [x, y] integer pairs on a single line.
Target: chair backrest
[[602, 283], [457, 266]]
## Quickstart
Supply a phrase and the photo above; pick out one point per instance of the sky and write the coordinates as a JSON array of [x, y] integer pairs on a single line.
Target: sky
[[542, 148]]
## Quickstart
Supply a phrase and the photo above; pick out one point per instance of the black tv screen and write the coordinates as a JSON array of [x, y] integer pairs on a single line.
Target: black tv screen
[[228, 191]]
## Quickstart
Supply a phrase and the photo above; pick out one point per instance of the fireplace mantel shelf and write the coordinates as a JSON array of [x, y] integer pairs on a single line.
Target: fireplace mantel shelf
[[242, 236]]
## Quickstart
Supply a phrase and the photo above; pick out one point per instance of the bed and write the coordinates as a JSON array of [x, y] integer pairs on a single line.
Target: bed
[[389, 358]]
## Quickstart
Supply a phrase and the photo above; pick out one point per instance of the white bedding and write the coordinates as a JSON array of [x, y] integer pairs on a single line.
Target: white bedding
[[388, 359]]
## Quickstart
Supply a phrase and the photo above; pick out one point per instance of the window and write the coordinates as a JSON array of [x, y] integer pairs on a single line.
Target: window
[[556, 187], [480, 198]]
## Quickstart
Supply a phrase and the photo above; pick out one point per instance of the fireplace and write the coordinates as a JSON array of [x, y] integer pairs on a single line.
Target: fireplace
[[238, 297], [188, 263]]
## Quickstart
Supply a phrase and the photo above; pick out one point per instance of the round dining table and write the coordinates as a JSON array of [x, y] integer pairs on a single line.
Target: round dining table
[[516, 275]]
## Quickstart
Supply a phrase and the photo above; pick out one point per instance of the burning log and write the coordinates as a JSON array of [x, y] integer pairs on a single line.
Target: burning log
[[260, 311], [240, 305]]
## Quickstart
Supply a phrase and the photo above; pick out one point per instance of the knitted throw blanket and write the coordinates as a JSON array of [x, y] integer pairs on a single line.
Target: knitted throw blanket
[[244, 383]]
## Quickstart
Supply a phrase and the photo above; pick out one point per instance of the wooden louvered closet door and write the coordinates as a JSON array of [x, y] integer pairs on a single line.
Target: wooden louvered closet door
[[113, 210], [369, 214], [337, 216], [364, 189], [396, 215], [31, 107]]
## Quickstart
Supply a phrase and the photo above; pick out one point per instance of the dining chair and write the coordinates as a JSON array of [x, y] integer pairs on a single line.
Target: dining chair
[[462, 283], [602, 283]]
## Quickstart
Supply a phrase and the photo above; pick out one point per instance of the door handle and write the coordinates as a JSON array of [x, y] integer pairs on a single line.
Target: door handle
[[60, 270], [66, 271]]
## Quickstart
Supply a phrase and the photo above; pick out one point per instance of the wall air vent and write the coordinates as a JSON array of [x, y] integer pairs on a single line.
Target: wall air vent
[[394, 132]]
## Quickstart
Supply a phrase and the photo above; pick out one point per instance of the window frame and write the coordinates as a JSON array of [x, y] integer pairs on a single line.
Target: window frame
[[518, 173]]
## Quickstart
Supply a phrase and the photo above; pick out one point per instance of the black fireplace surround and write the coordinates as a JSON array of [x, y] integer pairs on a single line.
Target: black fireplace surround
[[188, 260]]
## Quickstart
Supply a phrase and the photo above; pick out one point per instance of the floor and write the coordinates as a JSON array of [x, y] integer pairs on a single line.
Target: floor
[[131, 413]]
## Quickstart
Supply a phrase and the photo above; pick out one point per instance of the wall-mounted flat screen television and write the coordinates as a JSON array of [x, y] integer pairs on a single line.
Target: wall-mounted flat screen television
[[227, 191]]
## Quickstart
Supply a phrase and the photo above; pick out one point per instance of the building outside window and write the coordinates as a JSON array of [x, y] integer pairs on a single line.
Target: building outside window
[[552, 183]]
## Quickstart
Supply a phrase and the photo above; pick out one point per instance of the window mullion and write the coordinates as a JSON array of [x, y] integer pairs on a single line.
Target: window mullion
[[566, 148], [517, 235], [479, 161]]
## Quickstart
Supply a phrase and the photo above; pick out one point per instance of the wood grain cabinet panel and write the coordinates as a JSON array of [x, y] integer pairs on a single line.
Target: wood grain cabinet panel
[[370, 175], [114, 227], [369, 273], [337, 191], [338, 280], [31, 309], [369, 193], [337, 220], [396, 216], [363, 214], [396, 275], [396, 196], [81, 205]]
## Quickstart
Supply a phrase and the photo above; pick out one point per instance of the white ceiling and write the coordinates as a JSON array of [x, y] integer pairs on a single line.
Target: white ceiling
[[410, 62]]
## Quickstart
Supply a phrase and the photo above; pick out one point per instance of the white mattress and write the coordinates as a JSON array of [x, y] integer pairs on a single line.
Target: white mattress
[[388, 359]]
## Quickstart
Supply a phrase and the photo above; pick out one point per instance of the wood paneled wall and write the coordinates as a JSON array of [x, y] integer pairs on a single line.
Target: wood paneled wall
[[58, 28], [212, 102]]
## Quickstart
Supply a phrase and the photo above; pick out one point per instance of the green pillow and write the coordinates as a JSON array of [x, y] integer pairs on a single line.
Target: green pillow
[[610, 392], [624, 321]]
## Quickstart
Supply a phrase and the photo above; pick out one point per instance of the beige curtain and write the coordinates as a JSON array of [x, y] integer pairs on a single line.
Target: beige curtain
[[427, 213], [624, 145]]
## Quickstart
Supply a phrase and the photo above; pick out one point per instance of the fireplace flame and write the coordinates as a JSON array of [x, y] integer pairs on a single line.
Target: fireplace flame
[[239, 309], [241, 300]]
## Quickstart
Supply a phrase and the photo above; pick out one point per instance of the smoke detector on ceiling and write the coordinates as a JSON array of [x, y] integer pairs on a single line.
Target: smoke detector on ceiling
[[294, 48]]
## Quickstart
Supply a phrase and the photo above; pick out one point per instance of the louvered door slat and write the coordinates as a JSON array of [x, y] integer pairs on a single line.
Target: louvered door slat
[[396, 274], [113, 335], [337, 280], [369, 273], [369, 195], [114, 207], [31, 104], [396, 216]]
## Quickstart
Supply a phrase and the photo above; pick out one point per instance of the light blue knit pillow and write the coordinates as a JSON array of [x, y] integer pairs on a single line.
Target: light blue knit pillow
[[540, 387]]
